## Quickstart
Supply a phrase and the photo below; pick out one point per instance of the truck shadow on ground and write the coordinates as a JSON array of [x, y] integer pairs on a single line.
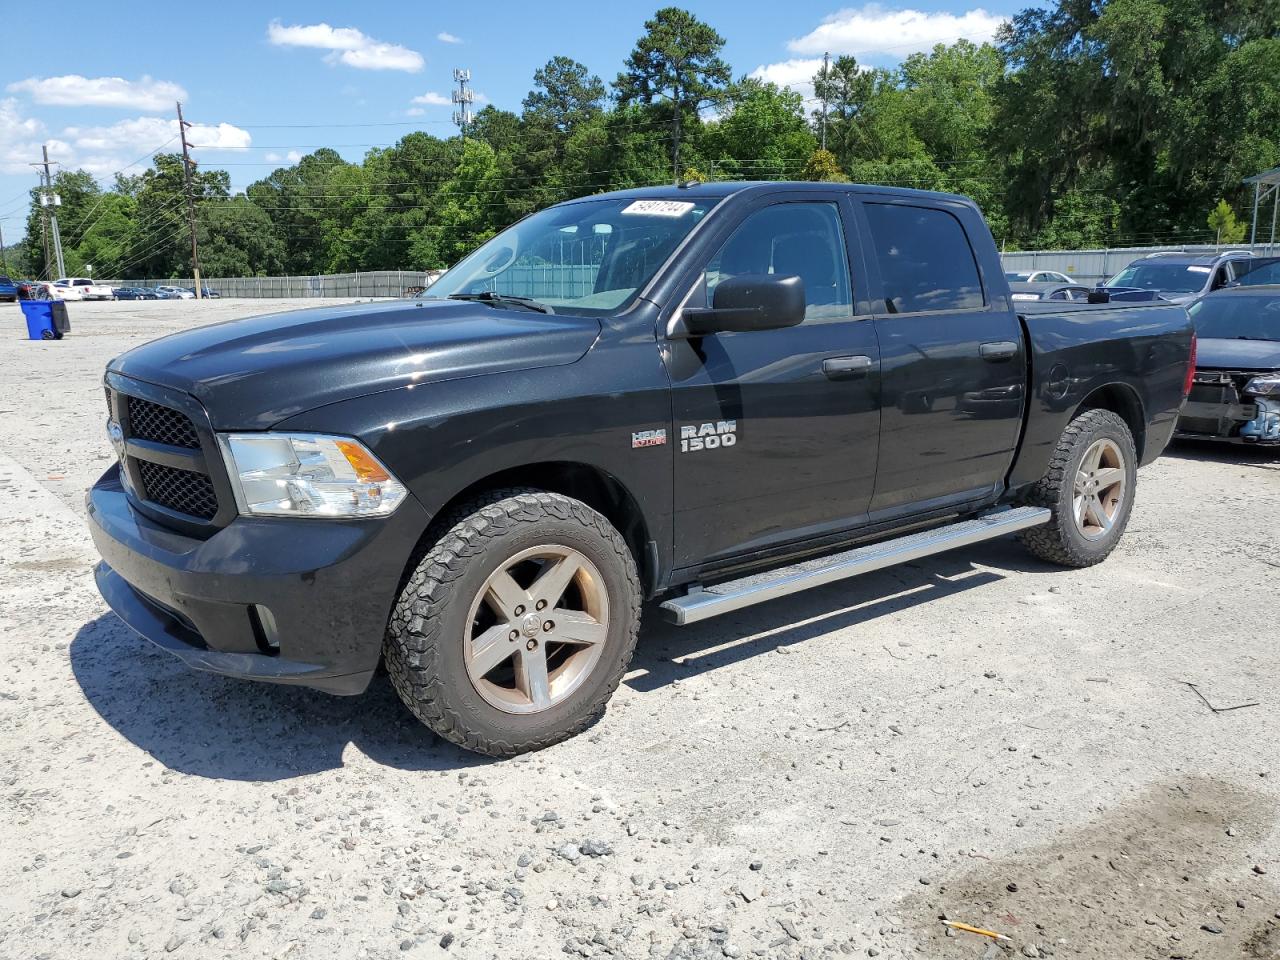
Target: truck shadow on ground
[[211, 726]]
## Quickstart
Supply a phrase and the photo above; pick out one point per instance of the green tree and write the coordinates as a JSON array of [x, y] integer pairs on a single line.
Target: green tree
[[822, 165], [238, 239], [761, 133], [676, 61], [1222, 221], [564, 93]]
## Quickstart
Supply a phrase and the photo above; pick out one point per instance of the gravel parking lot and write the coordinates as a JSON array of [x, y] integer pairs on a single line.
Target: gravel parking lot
[[978, 736]]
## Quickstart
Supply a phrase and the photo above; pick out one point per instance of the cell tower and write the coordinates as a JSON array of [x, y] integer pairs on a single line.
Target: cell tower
[[462, 98]]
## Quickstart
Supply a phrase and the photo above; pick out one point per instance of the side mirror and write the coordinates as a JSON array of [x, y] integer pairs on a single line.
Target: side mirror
[[1099, 295], [749, 301]]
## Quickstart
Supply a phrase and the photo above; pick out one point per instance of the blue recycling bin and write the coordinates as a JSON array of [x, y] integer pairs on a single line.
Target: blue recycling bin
[[46, 319]]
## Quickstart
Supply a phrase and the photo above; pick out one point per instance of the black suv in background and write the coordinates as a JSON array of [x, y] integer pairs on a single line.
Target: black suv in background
[[714, 395]]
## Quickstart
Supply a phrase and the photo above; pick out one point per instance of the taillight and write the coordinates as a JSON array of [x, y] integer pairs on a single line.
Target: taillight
[[1191, 366]]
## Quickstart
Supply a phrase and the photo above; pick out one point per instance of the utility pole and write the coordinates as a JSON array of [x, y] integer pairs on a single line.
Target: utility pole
[[826, 63], [4, 261], [187, 163], [48, 202], [463, 98]]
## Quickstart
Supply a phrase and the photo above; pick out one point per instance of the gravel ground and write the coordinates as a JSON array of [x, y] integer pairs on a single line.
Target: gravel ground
[[977, 737]]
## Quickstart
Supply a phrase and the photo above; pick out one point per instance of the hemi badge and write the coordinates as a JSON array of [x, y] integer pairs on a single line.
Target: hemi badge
[[648, 438]]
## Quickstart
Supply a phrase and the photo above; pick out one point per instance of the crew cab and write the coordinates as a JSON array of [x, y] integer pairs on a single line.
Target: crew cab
[[82, 288], [711, 395]]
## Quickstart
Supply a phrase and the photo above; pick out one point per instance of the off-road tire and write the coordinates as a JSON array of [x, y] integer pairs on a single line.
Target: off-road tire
[[1059, 541], [423, 648]]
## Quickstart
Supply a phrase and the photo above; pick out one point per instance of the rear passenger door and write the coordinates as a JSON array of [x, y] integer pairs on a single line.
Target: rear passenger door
[[952, 359]]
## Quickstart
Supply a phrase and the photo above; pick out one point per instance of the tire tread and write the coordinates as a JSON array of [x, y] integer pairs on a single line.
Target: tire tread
[[411, 649]]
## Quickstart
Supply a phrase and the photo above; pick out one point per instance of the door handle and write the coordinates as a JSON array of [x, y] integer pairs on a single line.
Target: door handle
[[998, 350], [846, 368]]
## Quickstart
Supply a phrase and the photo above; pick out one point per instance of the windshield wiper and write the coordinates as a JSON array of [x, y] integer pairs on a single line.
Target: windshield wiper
[[489, 296]]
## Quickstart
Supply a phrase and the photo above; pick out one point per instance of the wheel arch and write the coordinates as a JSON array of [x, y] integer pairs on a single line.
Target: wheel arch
[[1122, 400], [595, 487]]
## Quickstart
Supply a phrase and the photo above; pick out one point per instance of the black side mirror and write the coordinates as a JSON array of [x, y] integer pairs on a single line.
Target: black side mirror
[[749, 301], [1099, 295]]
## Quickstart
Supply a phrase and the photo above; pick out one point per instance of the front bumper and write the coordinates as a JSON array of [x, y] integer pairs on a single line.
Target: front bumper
[[301, 601]]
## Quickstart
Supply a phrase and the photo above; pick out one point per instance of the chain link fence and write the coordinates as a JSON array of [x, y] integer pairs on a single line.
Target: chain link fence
[[1090, 266], [375, 283]]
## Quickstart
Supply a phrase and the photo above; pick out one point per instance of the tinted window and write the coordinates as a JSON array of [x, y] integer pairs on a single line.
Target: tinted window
[[1230, 316], [1169, 277], [925, 259], [792, 239], [1265, 271]]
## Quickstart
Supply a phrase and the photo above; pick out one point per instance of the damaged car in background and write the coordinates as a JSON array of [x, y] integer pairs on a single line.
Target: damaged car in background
[[1236, 392]]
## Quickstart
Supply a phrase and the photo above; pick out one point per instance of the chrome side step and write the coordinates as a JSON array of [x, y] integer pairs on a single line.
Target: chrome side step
[[699, 604]]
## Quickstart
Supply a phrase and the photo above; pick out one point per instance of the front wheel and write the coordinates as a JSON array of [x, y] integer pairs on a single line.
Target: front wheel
[[515, 628], [1089, 488]]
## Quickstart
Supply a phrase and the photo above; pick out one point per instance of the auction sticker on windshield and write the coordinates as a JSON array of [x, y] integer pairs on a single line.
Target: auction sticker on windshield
[[658, 208]]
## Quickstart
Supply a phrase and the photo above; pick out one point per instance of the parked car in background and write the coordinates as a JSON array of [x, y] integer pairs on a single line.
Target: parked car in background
[[136, 293], [1235, 395], [1262, 270], [57, 291], [1181, 277], [176, 293], [88, 289], [1049, 291], [204, 292], [8, 289], [1036, 276], [166, 293]]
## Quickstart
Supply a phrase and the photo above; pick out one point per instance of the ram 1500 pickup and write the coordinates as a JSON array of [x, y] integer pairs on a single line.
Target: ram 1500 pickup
[[708, 394]]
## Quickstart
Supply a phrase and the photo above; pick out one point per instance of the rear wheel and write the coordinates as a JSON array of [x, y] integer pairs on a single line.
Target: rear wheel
[[1089, 488], [517, 625]]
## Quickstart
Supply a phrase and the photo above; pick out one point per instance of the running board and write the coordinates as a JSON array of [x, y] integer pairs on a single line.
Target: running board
[[699, 604]]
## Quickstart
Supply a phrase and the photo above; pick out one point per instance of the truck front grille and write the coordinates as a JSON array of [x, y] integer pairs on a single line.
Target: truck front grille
[[151, 421], [185, 491], [171, 469]]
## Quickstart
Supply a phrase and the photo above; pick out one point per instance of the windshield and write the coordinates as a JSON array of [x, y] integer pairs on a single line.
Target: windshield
[[588, 258], [1253, 317], [1170, 277], [1268, 271], [1017, 277]]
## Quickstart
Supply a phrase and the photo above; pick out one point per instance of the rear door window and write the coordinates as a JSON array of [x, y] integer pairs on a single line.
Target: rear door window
[[925, 259]]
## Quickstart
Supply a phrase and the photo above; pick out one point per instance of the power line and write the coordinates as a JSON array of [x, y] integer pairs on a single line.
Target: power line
[[191, 203]]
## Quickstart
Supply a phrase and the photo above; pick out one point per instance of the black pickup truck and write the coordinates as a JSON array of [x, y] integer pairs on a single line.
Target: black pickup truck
[[709, 394]]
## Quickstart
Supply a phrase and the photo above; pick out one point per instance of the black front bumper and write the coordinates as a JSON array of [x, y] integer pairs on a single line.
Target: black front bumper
[[302, 601]]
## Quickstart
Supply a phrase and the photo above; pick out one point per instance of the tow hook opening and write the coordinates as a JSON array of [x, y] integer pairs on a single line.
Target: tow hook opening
[[263, 622]]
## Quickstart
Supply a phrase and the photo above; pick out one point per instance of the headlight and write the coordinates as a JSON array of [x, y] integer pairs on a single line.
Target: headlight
[[307, 474], [1267, 385]]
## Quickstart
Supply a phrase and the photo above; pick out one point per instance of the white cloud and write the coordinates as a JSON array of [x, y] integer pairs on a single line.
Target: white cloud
[[346, 45], [873, 29], [796, 74], [293, 156], [414, 112], [73, 90], [447, 37], [432, 99], [20, 138]]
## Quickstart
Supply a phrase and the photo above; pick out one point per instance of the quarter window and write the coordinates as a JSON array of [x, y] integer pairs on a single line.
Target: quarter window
[[792, 239], [925, 259]]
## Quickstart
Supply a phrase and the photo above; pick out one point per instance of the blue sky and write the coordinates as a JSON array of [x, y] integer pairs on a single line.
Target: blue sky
[[352, 76]]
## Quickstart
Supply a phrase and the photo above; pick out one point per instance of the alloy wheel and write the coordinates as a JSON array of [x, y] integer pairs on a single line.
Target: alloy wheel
[[536, 628], [1099, 489]]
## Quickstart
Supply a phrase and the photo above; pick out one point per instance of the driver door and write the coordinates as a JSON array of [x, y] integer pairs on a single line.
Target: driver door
[[775, 432]]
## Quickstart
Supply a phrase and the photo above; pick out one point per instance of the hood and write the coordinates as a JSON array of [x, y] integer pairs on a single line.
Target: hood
[[250, 374], [1237, 354]]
